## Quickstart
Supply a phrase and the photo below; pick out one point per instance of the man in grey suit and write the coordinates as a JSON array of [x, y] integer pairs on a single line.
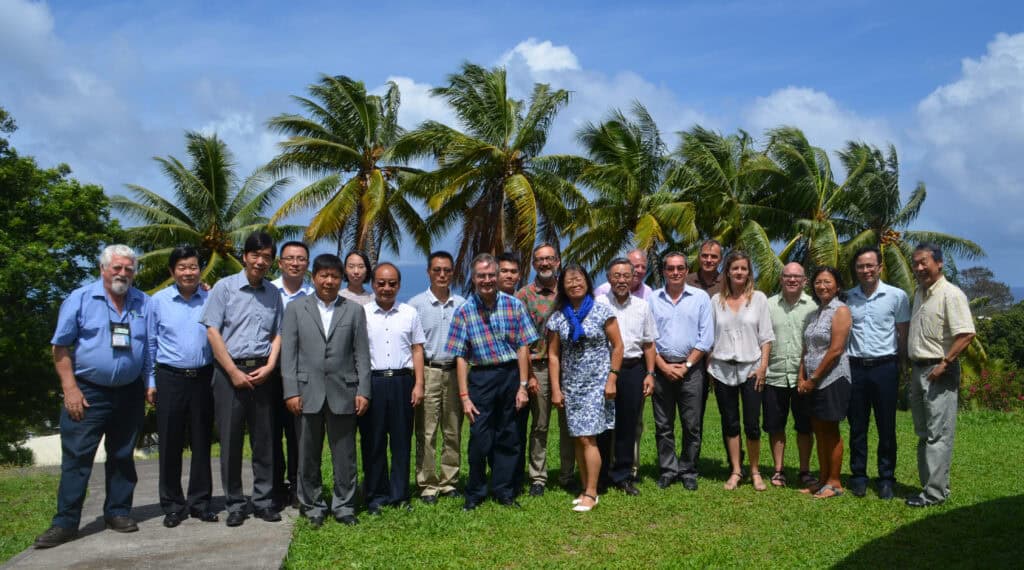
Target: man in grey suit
[[325, 366]]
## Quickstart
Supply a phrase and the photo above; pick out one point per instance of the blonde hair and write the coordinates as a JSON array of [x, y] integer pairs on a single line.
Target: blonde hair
[[748, 289]]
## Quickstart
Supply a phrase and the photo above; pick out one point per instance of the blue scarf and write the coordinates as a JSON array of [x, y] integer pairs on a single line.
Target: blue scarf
[[575, 317]]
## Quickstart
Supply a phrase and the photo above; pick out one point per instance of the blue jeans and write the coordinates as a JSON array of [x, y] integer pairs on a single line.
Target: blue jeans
[[117, 414], [873, 388]]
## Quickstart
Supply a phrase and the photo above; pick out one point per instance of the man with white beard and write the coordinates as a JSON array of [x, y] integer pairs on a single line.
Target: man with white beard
[[99, 351]]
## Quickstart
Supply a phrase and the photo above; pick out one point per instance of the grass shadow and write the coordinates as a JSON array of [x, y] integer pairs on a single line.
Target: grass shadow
[[984, 535]]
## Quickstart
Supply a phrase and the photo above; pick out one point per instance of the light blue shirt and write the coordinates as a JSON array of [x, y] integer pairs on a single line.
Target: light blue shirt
[[873, 333], [175, 336], [436, 319], [305, 289], [684, 325], [84, 323], [248, 318]]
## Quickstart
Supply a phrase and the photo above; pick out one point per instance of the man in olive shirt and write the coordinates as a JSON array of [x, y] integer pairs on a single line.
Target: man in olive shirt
[[941, 327], [789, 311]]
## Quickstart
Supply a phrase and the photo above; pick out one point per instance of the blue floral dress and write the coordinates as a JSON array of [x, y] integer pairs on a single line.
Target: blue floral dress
[[585, 365]]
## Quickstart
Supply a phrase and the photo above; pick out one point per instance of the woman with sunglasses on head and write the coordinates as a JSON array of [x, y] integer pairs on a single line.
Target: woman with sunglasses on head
[[739, 362], [825, 375]]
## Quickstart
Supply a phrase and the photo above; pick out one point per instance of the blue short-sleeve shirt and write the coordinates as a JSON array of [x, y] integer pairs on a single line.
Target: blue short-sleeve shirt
[[248, 318], [84, 324], [873, 332]]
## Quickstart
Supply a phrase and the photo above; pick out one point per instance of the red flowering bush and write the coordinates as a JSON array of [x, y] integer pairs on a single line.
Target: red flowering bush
[[994, 389]]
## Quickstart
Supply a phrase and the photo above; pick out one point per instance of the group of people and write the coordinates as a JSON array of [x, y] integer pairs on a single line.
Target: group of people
[[292, 360]]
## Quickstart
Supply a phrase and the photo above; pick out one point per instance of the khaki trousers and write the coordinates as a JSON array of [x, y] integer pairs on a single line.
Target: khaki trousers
[[540, 409], [441, 411], [934, 405]]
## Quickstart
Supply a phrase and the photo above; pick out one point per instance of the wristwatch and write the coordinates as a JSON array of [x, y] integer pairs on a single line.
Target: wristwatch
[[650, 373], [522, 384], [689, 365]]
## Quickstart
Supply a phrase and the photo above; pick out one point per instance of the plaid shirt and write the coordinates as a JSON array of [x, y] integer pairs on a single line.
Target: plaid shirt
[[539, 306], [490, 336]]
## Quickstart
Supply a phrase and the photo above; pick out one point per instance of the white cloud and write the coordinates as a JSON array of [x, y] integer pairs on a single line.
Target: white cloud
[[249, 141], [417, 103], [823, 120], [26, 33], [542, 56]]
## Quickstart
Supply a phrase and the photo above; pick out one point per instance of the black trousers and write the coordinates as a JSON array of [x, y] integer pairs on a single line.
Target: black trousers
[[617, 445], [184, 415], [729, 407], [237, 408], [387, 424], [286, 452], [494, 431], [873, 388], [519, 474]]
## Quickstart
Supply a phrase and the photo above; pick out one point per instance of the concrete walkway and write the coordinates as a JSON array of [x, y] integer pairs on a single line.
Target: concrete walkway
[[256, 544]]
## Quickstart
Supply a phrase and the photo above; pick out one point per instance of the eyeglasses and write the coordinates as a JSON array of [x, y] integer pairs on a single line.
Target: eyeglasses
[[295, 259], [545, 259], [618, 276], [675, 268], [793, 277]]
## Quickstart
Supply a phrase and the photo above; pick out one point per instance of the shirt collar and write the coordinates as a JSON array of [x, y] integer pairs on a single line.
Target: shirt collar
[[378, 309], [615, 301], [243, 281], [435, 301], [327, 306], [536, 288], [939, 283], [199, 292], [803, 300]]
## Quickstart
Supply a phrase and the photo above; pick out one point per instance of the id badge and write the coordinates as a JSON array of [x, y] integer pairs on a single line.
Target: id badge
[[120, 335]]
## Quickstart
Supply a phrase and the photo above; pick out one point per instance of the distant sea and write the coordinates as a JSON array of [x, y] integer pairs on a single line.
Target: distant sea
[[1018, 293]]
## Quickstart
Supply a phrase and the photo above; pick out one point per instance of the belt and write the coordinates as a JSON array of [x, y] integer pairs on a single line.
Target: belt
[[925, 361], [495, 366], [631, 362], [389, 372], [870, 362], [186, 372], [441, 365], [541, 363], [250, 362]]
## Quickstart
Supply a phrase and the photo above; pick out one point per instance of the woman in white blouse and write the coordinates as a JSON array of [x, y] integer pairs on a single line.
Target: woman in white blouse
[[357, 269], [739, 362]]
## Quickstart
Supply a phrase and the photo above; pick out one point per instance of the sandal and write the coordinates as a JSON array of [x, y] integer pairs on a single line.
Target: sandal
[[581, 508], [579, 499], [778, 479], [758, 481], [828, 492], [807, 479], [812, 489], [732, 482]]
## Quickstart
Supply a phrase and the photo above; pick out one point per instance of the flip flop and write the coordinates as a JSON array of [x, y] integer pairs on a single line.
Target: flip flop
[[807, 479], [821, 494]]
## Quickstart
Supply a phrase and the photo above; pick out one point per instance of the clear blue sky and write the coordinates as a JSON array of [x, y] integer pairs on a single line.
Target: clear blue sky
[[104, 86]]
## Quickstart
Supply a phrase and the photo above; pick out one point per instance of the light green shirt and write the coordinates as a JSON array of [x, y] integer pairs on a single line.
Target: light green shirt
[[788, 322], [940, 314]]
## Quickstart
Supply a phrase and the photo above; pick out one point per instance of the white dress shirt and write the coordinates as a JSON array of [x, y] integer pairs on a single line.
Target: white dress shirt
[[326, 312], [636, 323], [392, 335]]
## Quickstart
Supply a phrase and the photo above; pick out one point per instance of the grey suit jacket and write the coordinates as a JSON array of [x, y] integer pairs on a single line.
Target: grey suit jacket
[[317, 364]]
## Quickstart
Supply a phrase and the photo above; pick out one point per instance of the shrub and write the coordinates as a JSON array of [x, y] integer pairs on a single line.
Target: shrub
[[1000, 388]]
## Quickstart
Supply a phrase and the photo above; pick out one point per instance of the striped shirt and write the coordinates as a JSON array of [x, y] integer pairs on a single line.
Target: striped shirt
[[539, 304], [636, 323], [490, 336], [436, 318]]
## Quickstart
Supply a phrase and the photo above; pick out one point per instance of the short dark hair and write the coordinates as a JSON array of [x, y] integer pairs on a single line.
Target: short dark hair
[[179, 253], [257, 241], [509, 257], [708, 242], [841, 289], [862, 251], [673, 253], [440, 254], [934, 248], [562, 297], [618, 261], [361, 255], [387, 264], [294, 244], [327, 261]]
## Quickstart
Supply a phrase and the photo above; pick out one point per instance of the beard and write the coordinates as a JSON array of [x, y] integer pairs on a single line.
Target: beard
[[119, 286]]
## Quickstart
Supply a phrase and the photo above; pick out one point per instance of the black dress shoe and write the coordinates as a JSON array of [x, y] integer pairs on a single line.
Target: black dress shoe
[[918, 501], [628, 488], [509, 502], [690, 484], [536, 490], [470, 506], [268, 515], [205, 516], [172, 520], [429, 499], [373, 510], [121, 523], [859, 489], [885, 491], [316, 521], [453, 494], [347, 520], [54, 536], [665, 481], [236, 518]]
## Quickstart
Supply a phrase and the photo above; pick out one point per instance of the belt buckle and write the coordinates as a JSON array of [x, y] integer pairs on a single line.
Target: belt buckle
[[190, 373], [388, 373], [249, 363]]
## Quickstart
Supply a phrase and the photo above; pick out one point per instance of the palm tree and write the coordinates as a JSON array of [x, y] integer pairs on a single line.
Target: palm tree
[[491, 177], [818, 203], [736, 189], [626, 167], [210, 210], [344, 143], [879, 217]]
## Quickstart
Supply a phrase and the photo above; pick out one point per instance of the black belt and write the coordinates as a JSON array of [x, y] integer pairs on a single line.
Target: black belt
[[441, 365], [925, 361], [186, 372], [250, 362], [631, 362], [541, 363], [870, 362], [507, 364], [389, 372]]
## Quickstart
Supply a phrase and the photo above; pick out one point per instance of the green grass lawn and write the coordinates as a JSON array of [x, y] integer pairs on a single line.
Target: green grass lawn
[[28, 498], [778, 528]]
